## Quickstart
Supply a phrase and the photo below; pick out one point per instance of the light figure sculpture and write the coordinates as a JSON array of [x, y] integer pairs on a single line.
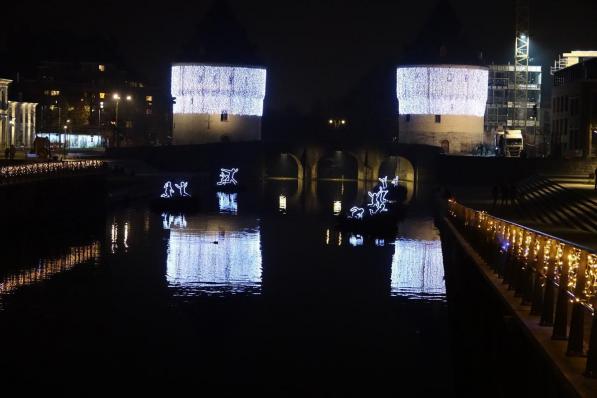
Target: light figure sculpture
[[395, 181], [282, 203], [378, 201], [227, 177], [168, 190], [215, 89], [182, 188], [442, 90], [357, 212]]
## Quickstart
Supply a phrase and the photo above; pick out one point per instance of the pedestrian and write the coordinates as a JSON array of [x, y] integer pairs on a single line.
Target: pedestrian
[[13, 151], [513, 194], [7, 153], [495, 191], [504, 194]]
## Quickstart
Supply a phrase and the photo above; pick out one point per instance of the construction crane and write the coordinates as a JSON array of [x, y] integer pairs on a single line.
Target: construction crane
[[521, 65]]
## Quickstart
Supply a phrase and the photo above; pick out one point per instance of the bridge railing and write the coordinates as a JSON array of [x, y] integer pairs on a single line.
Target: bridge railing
[[25, 172], [557, 279]]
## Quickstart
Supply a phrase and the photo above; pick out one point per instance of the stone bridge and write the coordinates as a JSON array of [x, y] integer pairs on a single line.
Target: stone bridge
[[303, 161]]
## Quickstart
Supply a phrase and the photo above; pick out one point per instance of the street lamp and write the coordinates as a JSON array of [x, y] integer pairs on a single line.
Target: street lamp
[[116, 98], [337, 122]]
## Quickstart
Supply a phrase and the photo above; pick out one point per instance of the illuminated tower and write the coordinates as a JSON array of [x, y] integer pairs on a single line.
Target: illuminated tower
[[442, 105]]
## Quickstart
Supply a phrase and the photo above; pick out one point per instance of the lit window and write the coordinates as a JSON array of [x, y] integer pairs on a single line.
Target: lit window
[[102, 68], [54, 93], [224, 116], [47, 92], [438, 118], [102, 95], [148, 98], [129, 124]]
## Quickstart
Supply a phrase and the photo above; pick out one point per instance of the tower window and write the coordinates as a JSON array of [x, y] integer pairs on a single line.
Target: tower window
[[224, 116], [438, 118]]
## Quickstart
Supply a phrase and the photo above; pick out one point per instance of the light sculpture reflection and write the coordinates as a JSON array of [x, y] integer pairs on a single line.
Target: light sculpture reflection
[[355, 240], [227, 202], [215, 255], [169, 220], [227, 177], [282, 203], [216, 89], [442, 90], [418, 270]]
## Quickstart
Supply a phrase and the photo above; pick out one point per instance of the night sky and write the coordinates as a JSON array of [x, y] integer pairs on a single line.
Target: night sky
[[315, 51]]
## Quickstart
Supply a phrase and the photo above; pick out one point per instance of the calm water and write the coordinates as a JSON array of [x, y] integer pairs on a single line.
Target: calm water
[[258, 291]]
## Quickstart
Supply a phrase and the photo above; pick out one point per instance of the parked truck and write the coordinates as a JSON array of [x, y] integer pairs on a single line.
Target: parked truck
[[509, 143]]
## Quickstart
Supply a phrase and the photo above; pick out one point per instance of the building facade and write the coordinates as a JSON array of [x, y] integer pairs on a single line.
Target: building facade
[[4, 119], [442, 105], [501, 110], [94, 100], [574, 110], [17, 120], [216, 103]]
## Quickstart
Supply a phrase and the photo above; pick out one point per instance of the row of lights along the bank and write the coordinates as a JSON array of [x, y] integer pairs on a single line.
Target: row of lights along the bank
[[544, 271]]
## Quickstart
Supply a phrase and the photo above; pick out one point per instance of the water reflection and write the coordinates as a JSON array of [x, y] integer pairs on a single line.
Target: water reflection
[[48, 267], [227, 202], [417, 270], [214, 255]]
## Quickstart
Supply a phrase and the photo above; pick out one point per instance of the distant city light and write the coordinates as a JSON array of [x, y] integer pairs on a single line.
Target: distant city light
[[442, 90], [215, 89]]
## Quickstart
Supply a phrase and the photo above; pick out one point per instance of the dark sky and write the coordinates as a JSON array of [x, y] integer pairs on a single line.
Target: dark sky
[[314, 50]]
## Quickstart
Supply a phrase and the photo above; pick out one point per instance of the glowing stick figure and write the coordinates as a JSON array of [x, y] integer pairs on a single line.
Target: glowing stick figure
[[395, 181], [168, 191], [356, 212], [378, 201], [227, 176], [384, 182], [182, 188]]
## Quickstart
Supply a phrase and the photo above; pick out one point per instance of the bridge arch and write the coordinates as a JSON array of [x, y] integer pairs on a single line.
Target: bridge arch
[[337, 164], [395, 165], [284, 165]]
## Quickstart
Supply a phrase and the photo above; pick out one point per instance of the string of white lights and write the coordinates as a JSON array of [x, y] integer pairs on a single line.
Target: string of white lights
[[216, 89], [442, 90]]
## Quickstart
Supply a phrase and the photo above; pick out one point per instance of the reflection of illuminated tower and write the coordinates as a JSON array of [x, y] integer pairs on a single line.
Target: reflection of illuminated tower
[[521, 64]]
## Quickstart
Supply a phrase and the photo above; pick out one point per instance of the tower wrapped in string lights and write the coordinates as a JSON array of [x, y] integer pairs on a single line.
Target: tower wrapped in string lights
[[442, 105], [217, 103]]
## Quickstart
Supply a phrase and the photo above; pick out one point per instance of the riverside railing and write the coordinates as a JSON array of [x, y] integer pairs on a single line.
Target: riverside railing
[[18, 173], [555, 278]]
